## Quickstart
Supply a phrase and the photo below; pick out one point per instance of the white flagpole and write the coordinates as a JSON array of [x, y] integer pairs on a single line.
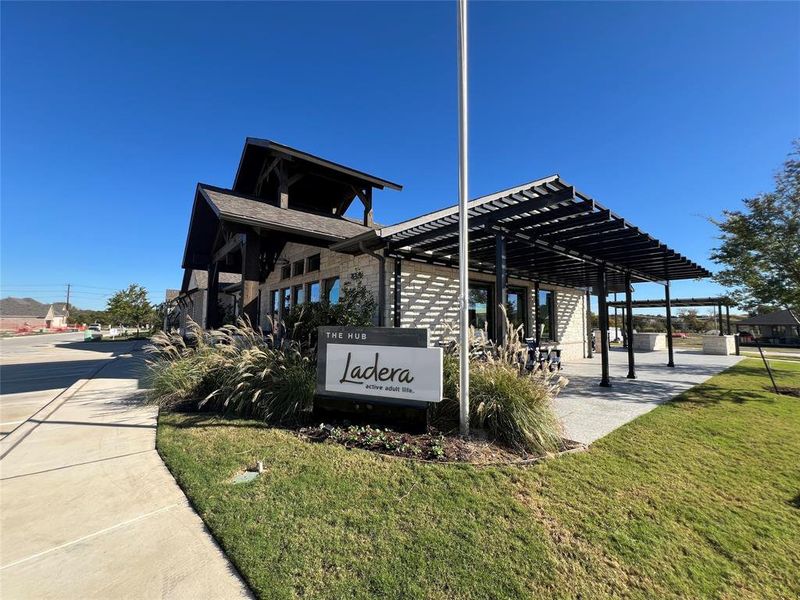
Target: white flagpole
[[463, 231]]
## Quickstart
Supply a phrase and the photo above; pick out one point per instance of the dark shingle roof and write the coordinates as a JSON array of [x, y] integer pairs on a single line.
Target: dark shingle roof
[[23, 307], [779, 317], [59, 309], [201, 278], [234, 207]]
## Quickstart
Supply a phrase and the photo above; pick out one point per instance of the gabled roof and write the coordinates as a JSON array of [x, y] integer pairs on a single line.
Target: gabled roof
[[59, 309], [779, 317], [276, 149], [250, 211]]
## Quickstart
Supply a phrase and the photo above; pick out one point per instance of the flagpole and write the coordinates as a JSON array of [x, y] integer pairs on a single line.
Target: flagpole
[[463, 230]]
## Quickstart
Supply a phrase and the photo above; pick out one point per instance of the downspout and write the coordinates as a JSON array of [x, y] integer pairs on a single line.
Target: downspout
[[381, 282]]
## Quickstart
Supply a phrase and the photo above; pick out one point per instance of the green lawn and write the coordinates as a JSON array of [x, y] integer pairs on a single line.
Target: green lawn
[[698, 498]]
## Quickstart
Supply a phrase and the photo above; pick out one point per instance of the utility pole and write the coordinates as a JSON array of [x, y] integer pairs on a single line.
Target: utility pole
[[69, 285]]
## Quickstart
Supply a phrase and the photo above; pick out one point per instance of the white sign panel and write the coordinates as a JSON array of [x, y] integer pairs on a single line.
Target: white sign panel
[[387, 372]]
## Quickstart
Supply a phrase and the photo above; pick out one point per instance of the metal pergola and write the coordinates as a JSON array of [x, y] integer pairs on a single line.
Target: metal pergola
[[544, 231]]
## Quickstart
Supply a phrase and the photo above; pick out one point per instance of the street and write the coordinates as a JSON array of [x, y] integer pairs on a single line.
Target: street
[[87, 507]]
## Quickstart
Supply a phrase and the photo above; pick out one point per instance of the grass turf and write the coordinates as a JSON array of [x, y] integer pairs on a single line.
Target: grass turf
[[698, 498]]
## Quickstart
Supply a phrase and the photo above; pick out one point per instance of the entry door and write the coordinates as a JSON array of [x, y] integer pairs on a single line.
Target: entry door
[[517, 308]]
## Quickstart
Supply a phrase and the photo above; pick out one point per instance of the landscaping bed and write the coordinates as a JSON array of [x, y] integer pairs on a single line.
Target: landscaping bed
[[698, 498], [429, 446]]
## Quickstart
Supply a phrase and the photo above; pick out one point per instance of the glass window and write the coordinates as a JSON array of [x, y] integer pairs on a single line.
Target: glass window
[[298, 268], [479, 306], [299, 294], [547, 314], [287, 302], [313, 263], [332, 290], [275, 305], [516, 308], [286, 271], [313, 292]]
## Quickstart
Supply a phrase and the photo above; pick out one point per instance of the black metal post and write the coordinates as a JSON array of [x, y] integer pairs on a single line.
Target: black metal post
[[623, 330], [589, 353], [728, 319], [719, 318], [602, 311], [629, 325], [212, 297], [616, 319], [500, 288], [398, 291], [536, 331], [671, 362]]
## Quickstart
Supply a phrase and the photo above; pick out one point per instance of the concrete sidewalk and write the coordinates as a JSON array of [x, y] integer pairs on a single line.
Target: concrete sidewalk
[[88, 509], [589, 411]]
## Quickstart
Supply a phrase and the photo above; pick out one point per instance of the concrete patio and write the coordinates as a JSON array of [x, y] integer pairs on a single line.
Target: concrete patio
[[589, 411]]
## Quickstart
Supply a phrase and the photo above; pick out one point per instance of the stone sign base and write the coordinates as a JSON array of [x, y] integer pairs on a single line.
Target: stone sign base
[[724, 345], [649, 342]]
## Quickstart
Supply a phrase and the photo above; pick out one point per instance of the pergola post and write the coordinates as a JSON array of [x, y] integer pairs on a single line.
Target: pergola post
[[251, 251], [728, 318], [671, 362], [500, 288], [719, 319], [629, 325], [212, 297], [602, 311], [398, 290], [616, 319], [536, 331], [589, 353]]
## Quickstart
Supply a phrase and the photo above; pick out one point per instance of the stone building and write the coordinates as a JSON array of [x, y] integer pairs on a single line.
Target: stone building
[[540, 249]]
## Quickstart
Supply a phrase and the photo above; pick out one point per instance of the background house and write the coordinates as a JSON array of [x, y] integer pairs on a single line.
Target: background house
[[779, 328], [22, 313]]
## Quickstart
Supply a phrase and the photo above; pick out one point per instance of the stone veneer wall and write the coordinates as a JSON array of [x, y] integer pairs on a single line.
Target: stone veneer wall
[[429, 294], [429, 299]]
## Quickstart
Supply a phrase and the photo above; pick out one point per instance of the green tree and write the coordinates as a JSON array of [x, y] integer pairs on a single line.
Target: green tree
[[760, 245], [131, 307], [691, 320]]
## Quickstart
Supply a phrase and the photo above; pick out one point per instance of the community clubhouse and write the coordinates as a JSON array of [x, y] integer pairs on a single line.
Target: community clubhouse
[[279, 237]]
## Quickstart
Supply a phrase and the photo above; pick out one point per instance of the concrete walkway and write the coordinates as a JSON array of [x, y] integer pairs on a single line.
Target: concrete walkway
[[88, 509], [589, 411]]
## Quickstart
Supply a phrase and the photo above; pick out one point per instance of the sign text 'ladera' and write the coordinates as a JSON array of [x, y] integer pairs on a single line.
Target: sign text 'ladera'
[[359, 374], [382, 373]]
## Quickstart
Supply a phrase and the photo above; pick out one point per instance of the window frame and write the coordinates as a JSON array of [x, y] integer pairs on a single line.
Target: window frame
[[297, 290], [318, 258], [328, 284], [309, 285]]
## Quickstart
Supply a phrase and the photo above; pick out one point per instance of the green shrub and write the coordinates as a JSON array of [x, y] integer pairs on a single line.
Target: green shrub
[[511, 404], [515, 409], [356, 308], [235, 370]]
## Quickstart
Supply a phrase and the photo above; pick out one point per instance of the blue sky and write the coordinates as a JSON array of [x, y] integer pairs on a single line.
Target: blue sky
[[111, 113]]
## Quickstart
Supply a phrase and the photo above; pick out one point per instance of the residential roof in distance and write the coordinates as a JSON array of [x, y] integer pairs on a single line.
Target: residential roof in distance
[[778, 317]]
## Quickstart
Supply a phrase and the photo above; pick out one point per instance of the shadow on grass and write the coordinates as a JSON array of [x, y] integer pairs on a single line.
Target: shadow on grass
[[193, 420], [795, 502]]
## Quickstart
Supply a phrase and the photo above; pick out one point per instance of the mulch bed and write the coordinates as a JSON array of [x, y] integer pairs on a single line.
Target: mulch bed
[[431, 446], [789, 391]]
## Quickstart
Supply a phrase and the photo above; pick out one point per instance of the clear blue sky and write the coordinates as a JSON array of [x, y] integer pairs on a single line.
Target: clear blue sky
[[111, 113]]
